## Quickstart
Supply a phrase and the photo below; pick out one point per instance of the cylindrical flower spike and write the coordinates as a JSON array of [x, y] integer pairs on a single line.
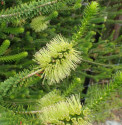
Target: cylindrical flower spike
[[57, 59], [64, 111], [39, 24]]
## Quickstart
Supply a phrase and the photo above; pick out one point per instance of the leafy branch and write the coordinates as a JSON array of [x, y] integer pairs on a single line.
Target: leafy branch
[[32, 9]]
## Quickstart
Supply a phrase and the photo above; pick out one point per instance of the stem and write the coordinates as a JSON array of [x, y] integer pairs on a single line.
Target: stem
[[29, 112], [29, 75], [101, 64]]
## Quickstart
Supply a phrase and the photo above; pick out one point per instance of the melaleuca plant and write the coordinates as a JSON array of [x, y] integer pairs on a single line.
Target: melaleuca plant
[[23, 97], [56, 61]]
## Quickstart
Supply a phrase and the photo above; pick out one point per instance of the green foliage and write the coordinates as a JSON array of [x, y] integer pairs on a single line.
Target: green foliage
[[4, 46], [8, 87], [31, 96], [13, 57], [14, 30], [89, 12], [74, 86], [32, 9], [112, 104], [9, 117], [102, 94], [9, 58]]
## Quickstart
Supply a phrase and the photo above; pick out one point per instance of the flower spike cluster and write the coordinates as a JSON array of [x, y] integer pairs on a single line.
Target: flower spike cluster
[[69, 112], [57, 59]]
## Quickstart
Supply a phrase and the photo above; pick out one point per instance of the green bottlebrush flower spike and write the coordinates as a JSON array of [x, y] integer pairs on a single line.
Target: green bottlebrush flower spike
[[57, 59], [65, 112], [39, 24]]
